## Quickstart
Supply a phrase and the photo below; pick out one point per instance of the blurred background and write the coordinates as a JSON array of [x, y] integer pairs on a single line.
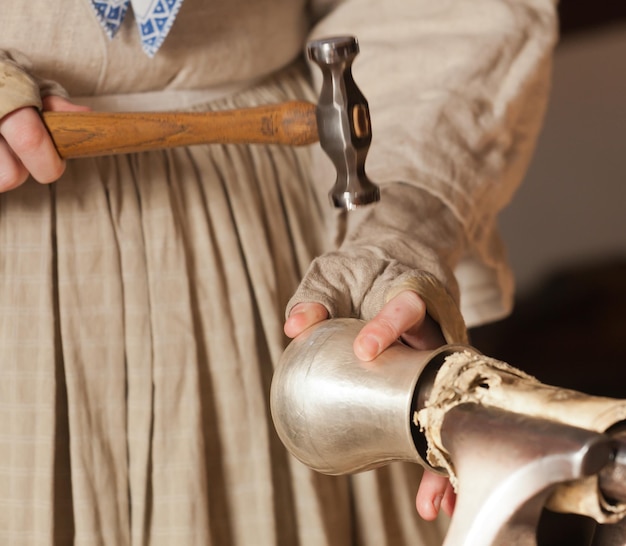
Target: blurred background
[[566, 230]]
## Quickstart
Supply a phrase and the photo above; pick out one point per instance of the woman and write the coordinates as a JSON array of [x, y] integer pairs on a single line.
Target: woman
[[142, 296]]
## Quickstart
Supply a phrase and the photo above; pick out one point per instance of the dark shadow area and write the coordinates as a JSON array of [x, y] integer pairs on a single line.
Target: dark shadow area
[[578, 16], [570, 332]]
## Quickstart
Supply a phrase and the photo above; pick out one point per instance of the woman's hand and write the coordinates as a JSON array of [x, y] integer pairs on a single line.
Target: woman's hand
[[26, 148], [403, 316], [435, 492]]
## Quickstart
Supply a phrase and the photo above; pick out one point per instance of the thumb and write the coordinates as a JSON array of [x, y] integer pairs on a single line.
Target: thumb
[[302, 316]]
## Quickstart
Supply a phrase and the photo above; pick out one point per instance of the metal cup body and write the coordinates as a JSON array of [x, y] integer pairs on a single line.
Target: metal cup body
[[338, 414]]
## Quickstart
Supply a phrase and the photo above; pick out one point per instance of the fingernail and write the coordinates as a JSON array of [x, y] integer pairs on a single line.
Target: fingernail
[[437, 502], [368, 348]]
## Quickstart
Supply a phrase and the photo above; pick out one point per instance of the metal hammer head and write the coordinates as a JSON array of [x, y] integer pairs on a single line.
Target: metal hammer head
[[343, 121]]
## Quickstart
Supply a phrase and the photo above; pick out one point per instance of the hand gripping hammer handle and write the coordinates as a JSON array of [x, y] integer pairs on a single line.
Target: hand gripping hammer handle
[[340, 122]]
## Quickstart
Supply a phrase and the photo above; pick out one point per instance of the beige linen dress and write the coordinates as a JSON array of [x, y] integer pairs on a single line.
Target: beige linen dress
[[142, 296]]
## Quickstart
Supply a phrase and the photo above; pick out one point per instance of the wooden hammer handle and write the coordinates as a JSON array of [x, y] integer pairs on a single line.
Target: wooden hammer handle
[[86, 134]]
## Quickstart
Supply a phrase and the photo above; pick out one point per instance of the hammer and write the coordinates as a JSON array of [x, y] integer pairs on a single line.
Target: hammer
[[340, 122]]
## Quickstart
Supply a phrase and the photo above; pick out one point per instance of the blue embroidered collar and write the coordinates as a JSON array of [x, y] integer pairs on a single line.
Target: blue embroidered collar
[[154, 19]]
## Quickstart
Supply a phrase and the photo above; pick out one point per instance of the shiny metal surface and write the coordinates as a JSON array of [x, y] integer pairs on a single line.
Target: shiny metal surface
[[612, 483], [612, 478], [343, 121], [507, 465], [338, 414]]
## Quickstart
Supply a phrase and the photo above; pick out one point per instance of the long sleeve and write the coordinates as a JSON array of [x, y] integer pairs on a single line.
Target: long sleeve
[[457, 91], [19, 87]]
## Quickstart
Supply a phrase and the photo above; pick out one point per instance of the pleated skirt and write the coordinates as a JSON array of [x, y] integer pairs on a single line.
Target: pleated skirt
[[142, 300]]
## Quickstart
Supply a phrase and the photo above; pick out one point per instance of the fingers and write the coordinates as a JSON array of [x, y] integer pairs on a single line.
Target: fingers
[[12, 172], [402, 313], [302, 316], [449, 500], [427, 336], [435, 493], [27, 146]]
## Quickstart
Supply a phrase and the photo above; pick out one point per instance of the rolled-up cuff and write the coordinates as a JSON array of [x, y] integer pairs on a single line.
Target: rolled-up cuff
[[50, 87], [19, 89]]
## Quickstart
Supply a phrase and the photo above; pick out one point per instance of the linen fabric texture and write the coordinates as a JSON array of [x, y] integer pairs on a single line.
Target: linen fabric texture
[[142, 296]]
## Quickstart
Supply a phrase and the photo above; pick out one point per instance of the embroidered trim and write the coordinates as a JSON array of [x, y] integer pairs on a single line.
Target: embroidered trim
[[110, 13], [154, 19]]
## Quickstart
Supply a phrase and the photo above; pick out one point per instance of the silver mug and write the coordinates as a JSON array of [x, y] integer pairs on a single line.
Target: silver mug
[[338, 414]]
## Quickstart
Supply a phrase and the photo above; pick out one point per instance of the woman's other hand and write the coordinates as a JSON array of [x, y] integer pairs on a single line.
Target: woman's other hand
[[26, 148]]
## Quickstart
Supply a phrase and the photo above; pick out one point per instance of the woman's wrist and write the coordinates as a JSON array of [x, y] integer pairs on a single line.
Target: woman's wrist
[[18, 89]]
